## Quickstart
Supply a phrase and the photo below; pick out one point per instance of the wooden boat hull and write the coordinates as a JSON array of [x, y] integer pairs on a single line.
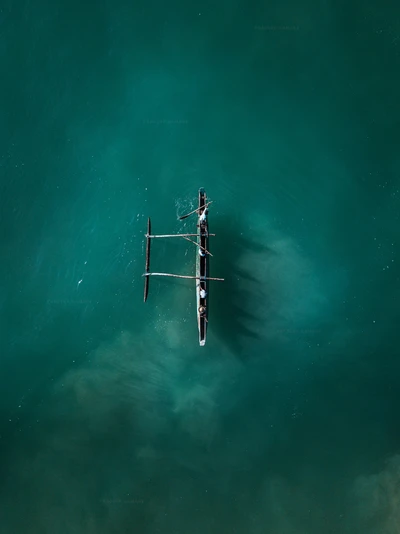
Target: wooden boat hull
[[202, 270]]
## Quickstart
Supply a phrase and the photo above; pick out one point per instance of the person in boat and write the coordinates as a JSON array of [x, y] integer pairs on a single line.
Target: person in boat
[[203, 293], [203, 216], [202, 311], [201, 252], [203, 222]]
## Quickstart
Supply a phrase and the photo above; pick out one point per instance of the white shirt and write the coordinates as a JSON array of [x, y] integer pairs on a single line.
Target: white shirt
[[203, 216], [203, 293]]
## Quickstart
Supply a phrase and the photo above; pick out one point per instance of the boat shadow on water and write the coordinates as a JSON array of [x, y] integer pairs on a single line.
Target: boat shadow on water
[[231, 316]]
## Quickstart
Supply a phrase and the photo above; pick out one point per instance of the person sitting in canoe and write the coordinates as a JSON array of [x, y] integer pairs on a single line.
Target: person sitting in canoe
[[202, 311], [201, 252], [203, 216], [203, 293]]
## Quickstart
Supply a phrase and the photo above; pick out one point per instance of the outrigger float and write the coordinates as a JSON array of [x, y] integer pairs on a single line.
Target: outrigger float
[[202, 262]]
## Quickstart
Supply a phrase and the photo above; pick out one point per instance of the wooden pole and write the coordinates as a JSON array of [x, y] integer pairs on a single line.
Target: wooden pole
[[147, 266], [196, 210], [197, 245], [173, 235], [183, 276]]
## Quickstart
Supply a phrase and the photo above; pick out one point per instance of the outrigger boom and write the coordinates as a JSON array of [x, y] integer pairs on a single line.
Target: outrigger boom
[[201, 262], [171, 235], [183, 276]]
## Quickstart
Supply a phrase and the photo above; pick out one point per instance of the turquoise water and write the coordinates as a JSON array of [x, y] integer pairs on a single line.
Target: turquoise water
[[112, 419]]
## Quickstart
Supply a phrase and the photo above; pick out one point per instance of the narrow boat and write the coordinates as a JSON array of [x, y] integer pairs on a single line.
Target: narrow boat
[[202, 268], [202, 262]]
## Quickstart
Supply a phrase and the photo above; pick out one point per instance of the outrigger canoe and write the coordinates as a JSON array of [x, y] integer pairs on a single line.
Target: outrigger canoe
[[202, 262]]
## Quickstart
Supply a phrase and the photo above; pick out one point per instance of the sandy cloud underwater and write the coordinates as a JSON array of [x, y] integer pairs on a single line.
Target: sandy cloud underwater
[[149, 434]]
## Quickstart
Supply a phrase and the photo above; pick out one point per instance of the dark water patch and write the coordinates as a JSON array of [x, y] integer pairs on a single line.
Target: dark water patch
[[232, 318]]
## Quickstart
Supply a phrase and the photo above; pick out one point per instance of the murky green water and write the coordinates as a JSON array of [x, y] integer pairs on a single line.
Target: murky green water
[[112, 419]]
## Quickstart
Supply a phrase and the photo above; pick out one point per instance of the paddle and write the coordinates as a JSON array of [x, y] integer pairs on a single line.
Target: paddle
[[196, 210]]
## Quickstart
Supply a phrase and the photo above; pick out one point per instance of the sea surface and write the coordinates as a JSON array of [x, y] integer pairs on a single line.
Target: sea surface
[[112, 418]]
